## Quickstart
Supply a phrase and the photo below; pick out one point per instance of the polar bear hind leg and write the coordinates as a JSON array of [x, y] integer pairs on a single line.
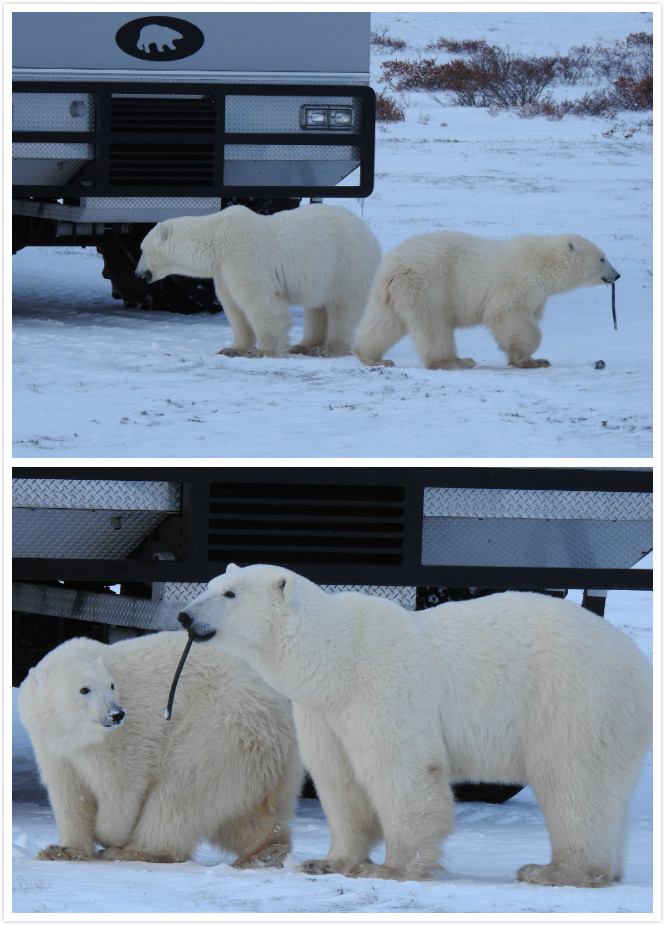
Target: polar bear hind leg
[[587, 820], [314, 332], [379, 330]]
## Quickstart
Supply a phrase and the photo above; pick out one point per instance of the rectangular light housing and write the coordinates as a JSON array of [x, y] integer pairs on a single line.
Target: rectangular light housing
[[326, 117]]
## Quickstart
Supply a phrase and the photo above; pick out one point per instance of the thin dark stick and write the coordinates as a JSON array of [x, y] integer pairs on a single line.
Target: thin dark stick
[[614, 309], [176, 678]]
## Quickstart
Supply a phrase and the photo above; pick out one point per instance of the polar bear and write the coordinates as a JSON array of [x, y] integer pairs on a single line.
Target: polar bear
[[322, 258], [392, 706], [225, 769], [433, 283]]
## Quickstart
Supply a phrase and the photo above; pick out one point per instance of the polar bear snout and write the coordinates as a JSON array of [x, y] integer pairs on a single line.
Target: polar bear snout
[[199, 633], [611, 277], [114, 717], [144, 274]]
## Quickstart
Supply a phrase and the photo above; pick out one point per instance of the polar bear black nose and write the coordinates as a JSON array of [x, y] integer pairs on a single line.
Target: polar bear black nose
[[117, 716], [145, 274], [185, 620]]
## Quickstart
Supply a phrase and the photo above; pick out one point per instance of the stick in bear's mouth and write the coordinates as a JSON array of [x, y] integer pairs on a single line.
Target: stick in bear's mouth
[[614, 309], [176, 677]]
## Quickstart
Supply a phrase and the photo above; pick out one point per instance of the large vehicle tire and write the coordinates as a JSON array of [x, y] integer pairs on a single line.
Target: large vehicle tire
[[182, 294]]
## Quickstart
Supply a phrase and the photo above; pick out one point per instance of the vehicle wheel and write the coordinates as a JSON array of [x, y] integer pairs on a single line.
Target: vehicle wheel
[[181, 294]]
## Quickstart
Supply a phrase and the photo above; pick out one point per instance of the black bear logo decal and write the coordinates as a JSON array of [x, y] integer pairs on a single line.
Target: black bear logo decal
[[159, 38]]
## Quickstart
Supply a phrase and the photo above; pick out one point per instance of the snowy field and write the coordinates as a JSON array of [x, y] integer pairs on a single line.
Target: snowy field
[[92, 379], [481, 856]]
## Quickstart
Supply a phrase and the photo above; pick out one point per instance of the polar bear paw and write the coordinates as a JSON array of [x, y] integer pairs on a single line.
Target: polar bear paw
[[530, 363], [236, 352], [328, 350], [60, 853], [451, 363], [273, 855], [388, 363], [556, 875], [332, 866], [138, 854]]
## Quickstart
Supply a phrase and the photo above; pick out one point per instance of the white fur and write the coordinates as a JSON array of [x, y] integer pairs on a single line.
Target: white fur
[[433, 283], [322, 258], [392, 706], [225, 768]]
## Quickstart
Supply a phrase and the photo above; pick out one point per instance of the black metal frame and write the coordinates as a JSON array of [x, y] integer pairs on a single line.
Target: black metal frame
[[192, 525], [101, 138]]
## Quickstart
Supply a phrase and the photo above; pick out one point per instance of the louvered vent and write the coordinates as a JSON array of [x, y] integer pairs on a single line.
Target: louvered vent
[[306, 524], [183, 150]]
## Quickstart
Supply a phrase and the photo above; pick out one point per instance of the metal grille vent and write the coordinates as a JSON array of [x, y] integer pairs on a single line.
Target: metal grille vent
[[185, 156], [170, 114], [306, 524]]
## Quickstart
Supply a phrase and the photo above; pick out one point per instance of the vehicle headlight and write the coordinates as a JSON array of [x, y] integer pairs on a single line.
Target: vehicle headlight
[[326, 117]]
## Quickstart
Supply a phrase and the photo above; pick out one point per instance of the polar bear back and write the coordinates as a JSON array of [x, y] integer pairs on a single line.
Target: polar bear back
[[311, 251], [512, 661]]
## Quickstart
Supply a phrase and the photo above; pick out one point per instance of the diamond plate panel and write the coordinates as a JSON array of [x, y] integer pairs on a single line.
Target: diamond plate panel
[[60, 534], [509, 502], [96, 493], [182, 592], [87, 518], [538, 543], [112, 609], [53, 112]]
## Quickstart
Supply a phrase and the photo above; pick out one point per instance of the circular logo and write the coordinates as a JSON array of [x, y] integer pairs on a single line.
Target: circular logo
[[159, 38]]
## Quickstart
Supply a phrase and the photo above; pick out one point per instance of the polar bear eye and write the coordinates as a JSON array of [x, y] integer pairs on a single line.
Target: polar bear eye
[[113, 687], [85, 690], [229, 594]]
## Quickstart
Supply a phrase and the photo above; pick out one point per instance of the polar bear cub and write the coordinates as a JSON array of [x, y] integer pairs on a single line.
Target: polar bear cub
[[322, 258], [432, 284], [225, 769], [391, 707]]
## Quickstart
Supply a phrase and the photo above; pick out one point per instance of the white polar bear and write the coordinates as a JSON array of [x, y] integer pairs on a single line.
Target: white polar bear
[[433, 283], [225, 769], [392, 706], [322, 258]]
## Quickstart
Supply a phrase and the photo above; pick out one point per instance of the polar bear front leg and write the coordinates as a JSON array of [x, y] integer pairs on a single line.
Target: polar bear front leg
[[414, 819], [74, 808], [244, 338], [354, 828], [518, 334]]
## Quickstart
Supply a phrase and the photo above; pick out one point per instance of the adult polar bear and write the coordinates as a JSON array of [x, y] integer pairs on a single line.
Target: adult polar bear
[[225, 769], [322, 258], [432, 284], [391, 706]]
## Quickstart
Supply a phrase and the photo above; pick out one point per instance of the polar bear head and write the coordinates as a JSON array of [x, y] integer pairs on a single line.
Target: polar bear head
[[572, 262], [172, 247], [245, 611], [69, 700]]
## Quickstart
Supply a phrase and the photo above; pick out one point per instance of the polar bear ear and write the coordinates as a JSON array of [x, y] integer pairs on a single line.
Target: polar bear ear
[[231, 567], [287, 587], [35, 676], [573, 248], [164, 232]]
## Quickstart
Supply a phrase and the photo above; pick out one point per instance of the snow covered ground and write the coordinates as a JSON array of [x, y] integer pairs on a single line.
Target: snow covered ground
[[92, 379], [481, 856]]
